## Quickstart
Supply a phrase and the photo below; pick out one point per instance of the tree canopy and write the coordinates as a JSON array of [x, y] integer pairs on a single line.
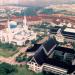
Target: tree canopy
[[6, 69]]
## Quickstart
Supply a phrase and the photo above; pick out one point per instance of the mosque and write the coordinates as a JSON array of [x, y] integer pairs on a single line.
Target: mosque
[[17, 34]]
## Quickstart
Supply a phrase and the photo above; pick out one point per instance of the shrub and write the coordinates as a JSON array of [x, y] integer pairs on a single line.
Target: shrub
[[6, 69], [8, 46]]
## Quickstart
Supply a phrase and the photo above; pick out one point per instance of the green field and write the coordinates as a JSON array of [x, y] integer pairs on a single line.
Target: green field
[[7, 49], [7, 53]]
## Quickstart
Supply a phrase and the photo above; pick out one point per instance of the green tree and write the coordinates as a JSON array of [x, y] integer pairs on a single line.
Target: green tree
[[8, 46], [6, 69], [48, 11]]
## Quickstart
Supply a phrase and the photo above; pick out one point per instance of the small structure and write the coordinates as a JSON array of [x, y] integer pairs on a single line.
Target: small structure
[[59, 37], [69, 25]]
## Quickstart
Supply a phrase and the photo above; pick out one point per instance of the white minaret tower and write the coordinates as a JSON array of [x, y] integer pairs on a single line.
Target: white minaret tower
[[8, 29], [25, 24], [8, 24]]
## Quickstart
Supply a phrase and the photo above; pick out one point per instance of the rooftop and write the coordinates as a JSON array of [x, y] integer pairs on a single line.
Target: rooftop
[[71, 30], [69, 33], [33, 18], [40, 57], [48, 45], [67, 50]]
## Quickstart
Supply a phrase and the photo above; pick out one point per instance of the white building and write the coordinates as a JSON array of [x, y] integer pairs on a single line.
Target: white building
[[59, 37], [69, 34], [17, 34]]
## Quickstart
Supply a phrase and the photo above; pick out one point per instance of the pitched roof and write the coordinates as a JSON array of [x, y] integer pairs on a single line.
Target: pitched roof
[[48, 45], [40, 57], [42, 53]]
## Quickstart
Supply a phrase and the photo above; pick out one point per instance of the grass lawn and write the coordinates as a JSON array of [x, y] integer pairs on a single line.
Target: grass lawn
[[24, 71], [7, 53], [7, 49]]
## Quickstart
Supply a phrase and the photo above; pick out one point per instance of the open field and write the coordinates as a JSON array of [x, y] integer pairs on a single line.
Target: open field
[[7, 53]]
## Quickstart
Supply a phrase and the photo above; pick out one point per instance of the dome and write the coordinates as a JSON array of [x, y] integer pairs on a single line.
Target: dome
[[13, 24]]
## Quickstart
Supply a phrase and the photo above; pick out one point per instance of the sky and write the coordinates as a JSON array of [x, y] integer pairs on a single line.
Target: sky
[[36, 2]]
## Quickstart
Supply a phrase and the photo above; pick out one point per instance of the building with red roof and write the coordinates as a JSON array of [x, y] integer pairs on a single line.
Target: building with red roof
[[33, 20]]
